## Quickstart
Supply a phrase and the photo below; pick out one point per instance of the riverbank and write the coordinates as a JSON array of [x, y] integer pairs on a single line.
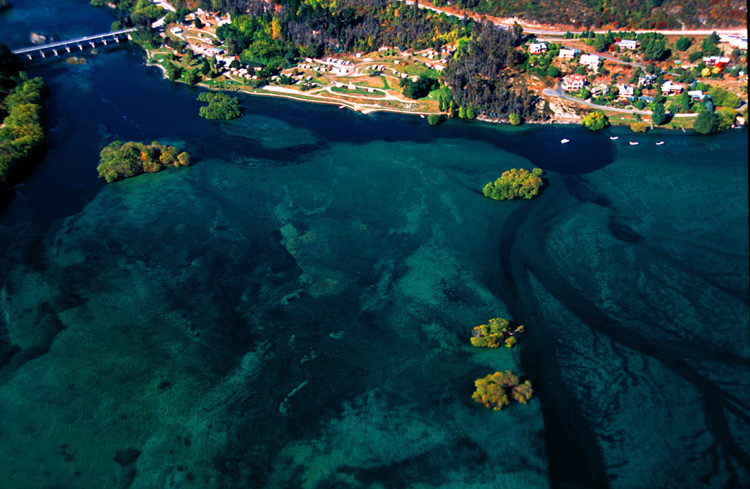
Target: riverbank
[[565, 110]]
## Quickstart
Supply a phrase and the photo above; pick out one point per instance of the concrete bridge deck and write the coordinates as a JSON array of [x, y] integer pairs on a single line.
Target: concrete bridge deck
[[56, 47]]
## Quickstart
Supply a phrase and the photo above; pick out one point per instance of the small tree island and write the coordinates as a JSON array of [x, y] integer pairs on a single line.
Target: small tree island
[[124, 160], [220, 106], [499, 330], [497, 390], [515, 183]]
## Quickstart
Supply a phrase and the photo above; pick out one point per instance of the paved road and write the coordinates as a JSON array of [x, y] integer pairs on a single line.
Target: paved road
[[559, 93], [165, 5]]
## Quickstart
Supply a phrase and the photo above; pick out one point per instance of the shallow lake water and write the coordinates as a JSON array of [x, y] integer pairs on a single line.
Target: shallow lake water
[[294, 309]]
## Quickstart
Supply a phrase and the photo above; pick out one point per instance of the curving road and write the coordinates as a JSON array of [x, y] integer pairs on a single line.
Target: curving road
[[559, 93]]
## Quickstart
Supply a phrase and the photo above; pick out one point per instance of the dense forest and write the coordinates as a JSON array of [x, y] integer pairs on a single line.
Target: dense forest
[[651, 14], [21, 113], [482, 75]]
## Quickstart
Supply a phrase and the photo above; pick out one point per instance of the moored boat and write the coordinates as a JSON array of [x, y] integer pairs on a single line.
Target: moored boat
[[634, 143], [565, 141], [613, 138]]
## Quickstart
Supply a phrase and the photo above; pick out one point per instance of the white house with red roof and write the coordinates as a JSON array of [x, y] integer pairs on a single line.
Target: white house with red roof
[[573, 83]]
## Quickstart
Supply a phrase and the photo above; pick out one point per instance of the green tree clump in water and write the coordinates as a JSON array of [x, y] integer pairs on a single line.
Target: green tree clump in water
[[498, 331], [497, 390], [124, 160], [220, 106], [515, 183]]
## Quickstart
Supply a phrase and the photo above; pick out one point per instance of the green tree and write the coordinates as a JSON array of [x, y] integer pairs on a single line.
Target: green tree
[[710, 44], [655, 50], [659, 114], [553, 72], [205, 67], [220, 106], [595, 121], [434, 119], [602, 42], [21, 132], [683, 43], [724, 98], [120, 160], [515, 119], [420, 88], [695, 56], [684, 102], [725, 118], [706, 123], [515, 183], [191, 77]]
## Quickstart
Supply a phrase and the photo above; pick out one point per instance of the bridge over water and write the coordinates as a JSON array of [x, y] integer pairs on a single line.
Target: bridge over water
[[56, 48]]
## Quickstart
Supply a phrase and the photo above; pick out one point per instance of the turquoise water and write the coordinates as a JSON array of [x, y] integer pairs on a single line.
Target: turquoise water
[[293, 310]]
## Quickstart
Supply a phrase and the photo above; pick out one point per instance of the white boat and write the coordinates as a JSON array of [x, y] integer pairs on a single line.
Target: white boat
[[565, 141], [633, 143], [341, 107], [420, 115], [614, 137], [660, 143]]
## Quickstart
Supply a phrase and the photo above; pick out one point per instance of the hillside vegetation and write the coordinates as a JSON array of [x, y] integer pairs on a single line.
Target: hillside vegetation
[[651, 14]]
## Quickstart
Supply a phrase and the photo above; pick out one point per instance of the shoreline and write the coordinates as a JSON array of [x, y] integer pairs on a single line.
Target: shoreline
[[367, 109], [290, 96]]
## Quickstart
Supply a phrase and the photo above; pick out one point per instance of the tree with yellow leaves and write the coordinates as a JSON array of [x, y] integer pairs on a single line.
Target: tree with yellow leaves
[[498, 331], [497, 390], [515, 183], [123, 160]]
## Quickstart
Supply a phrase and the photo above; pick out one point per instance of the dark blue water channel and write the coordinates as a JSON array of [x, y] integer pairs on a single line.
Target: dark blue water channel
[[294, 309]]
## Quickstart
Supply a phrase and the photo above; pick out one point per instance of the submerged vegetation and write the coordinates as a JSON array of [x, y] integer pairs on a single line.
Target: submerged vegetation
[[124, 160], [498, 390], [515, 183], [498, 331], [21, 117]]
